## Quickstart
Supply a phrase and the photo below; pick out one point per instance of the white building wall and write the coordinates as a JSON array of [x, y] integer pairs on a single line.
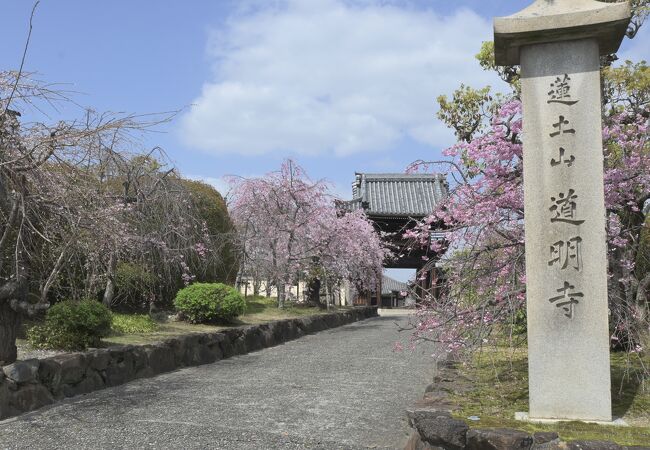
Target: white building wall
[[342, 295]]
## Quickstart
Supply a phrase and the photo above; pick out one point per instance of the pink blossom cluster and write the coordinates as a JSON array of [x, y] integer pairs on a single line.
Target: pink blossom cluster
[[483, 216]]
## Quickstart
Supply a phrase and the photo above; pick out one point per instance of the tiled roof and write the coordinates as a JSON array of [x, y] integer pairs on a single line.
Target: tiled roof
[[397, 194], [390, 285]]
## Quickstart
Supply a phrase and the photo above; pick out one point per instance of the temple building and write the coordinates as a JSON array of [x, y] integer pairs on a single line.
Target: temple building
[[395, 294], [395, 202]]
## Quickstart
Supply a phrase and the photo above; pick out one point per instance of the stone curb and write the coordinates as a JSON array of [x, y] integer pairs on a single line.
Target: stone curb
[[32, 384], [436, 429]]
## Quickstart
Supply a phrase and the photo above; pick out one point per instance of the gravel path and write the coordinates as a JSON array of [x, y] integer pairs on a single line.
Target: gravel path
[[339, 389]]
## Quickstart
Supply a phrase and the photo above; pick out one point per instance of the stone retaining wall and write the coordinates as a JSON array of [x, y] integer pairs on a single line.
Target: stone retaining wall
[[32, 384], [436, 429]]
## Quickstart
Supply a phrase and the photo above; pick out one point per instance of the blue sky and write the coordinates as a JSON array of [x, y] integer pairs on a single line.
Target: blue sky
[[340, 86]]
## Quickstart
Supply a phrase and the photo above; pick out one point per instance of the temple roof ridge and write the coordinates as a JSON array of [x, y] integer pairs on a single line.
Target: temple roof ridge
[[397, 194]]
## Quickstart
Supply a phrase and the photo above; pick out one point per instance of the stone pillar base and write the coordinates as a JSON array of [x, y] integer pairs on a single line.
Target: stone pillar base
[[523, 417]]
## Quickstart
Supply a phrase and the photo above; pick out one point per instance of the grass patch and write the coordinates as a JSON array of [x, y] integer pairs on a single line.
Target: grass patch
[[162, 332], [499, 388], [133, 323], [263, 309], [258, 310]]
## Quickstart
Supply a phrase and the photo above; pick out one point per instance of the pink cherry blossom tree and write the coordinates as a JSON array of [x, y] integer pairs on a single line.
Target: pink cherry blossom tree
[[485, 284], [351, 251], [289, 225]]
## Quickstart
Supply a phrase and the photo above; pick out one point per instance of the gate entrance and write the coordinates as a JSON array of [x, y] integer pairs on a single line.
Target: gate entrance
[[396, 202]]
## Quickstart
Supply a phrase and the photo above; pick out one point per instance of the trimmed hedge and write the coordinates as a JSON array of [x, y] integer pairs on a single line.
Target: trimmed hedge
[[209, 302], [71, 325]]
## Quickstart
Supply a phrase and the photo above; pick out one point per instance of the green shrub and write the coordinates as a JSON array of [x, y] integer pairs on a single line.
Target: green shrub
[[71, 325], [133, 323], [209, 302], [213, 212]]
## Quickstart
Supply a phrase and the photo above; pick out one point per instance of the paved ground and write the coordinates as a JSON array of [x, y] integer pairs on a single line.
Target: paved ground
[[339, 389]]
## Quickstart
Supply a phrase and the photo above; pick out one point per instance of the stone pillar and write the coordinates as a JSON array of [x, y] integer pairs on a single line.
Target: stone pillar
[[558, 44]]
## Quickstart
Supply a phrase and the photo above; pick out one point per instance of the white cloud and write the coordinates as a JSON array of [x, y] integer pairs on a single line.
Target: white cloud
[[325, 76]]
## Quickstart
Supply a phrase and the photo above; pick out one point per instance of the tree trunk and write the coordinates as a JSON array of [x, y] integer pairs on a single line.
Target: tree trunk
[[9, 325], [327, 295], [90, 282], [642, 298], [313, 292], [54, 274], [109, 293], [280, 288]]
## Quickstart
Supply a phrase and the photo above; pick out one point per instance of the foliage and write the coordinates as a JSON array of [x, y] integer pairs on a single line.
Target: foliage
[[85, 212], [48, 205], [627, 88], [209, 302], [133, 323], [72, 325], [219, 229], [163, 229], [287, 224], [520, 324], [84, 209], [509, 74], [466, 110], [134, 284]]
